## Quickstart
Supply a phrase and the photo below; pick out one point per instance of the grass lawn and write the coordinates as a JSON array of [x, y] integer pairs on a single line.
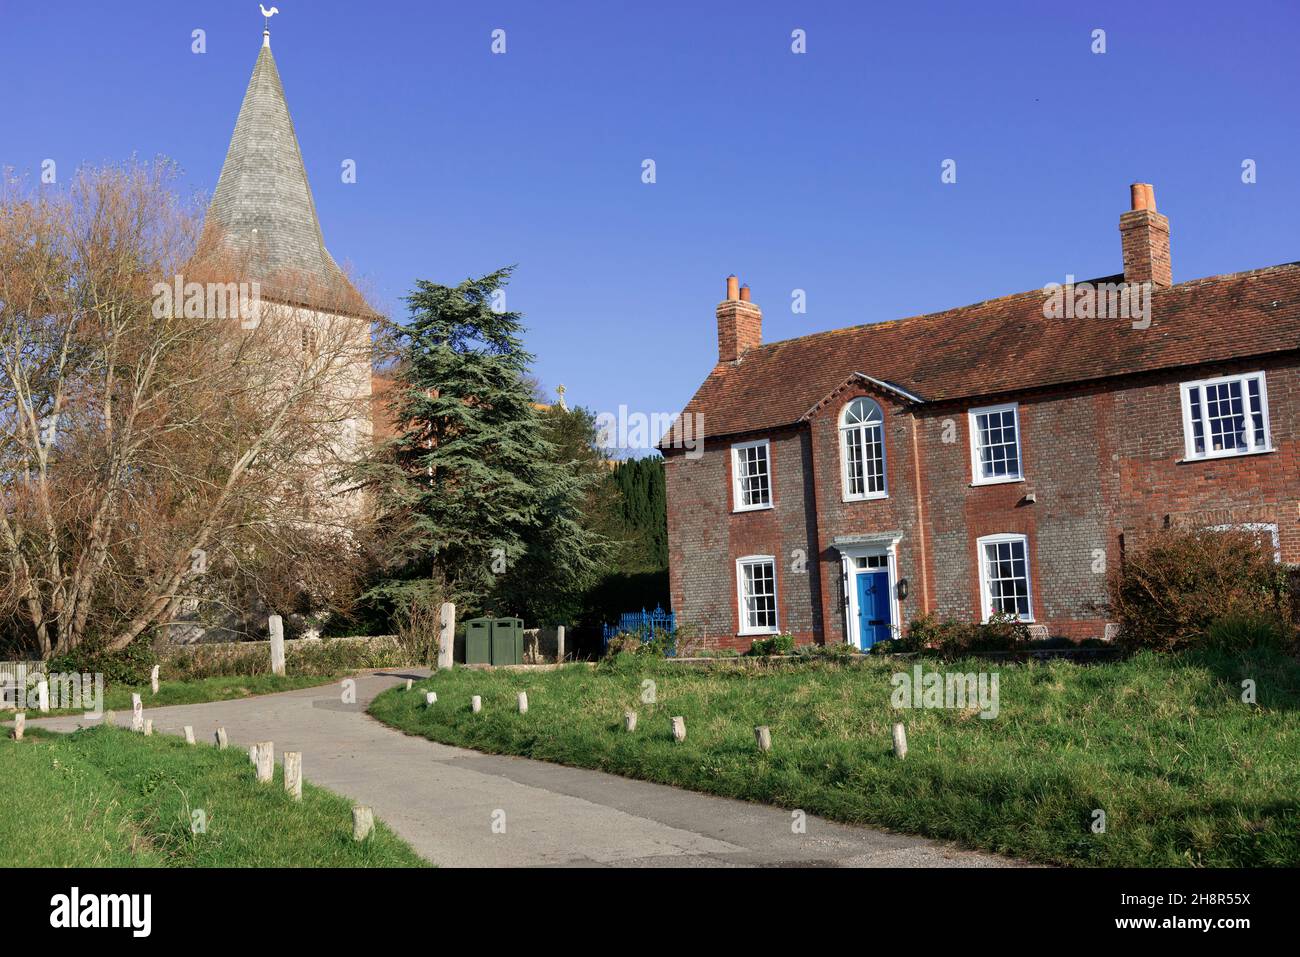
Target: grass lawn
[[105, 797], [118, 697], [1185, 772]]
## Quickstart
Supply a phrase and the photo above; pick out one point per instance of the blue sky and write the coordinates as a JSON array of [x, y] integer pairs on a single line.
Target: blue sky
[[818, 171]]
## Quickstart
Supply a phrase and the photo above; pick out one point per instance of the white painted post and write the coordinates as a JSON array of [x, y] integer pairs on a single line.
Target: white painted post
[[20, 722], [148, 727], [363, 822], [679, 728], [137, 713], [275, 624], [763, 735], [189, 734], [43, 695], [153, 679], [523, 702], [900, 740], [252, 755], [265, 761], [446, 634], [408, 684], [222, 740], [629, 720], [559, 643], [476, 704], [430, 698], [293, 773]]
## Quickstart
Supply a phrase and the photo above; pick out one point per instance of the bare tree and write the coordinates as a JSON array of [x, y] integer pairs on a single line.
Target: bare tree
[[164, 440]]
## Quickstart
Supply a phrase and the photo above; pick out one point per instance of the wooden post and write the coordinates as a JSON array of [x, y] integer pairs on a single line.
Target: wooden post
[[559, 643], [20, 722], [430, 698], [43, 695], [446, 634], [476, 704], [763, 735], [222, 741], [252, 755], [900, 740], [679, 728], [153, 679], [189, 734], [137, 713], [629, 720], [363, 822], [408, 684], [148, 727], [265, 761], [293, 773], [523, 702], [275, 624]]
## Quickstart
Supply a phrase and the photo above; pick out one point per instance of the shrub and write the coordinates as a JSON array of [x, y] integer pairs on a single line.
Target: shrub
[[661, 644], [328, 656], [953, 638], [776, 645], [1168, 593], [131, 665], [1241, 631], [839, 651]]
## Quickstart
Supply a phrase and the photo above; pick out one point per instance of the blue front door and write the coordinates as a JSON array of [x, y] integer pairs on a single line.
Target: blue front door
[[874, 608]]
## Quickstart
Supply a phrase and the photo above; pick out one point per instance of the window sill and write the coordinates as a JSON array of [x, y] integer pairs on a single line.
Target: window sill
[[865, 498], [758, 634], [751, 508], [1220, 456], [997, 481]]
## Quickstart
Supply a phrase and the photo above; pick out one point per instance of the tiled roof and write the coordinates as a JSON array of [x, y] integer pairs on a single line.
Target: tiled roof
[[263, 203], [1004, 346]]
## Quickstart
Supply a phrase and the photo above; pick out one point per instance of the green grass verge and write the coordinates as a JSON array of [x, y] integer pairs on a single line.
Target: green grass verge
[[1186, 773], [198, 691], [105, 797]]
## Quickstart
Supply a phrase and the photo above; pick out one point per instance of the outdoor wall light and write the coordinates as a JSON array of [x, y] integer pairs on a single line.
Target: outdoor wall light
[[902, 588]]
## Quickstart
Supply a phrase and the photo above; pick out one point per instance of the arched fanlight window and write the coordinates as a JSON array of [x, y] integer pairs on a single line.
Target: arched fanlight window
[[862, 450]]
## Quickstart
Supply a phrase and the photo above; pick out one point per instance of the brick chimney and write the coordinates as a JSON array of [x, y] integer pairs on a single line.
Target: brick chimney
[[1145, 237], [740, 323]]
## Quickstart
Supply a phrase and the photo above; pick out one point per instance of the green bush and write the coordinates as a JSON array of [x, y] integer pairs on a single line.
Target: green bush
[[1242, 631], [776, 645], [839, 650], [1170, 591], [952, 638], [131, 665], [660, 645], [328, 656]]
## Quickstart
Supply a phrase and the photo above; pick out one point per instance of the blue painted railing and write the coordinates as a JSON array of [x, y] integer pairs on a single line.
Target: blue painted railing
[[643, 623]]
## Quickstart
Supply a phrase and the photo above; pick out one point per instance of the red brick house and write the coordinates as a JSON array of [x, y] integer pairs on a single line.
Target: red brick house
[[995, 457]]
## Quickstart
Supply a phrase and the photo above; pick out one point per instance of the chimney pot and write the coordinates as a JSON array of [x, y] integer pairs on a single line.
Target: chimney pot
[[733, 287], [744, 293], [1143, 196]]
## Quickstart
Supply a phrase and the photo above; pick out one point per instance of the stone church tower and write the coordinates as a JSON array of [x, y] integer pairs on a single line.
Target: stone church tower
[[264, 218]]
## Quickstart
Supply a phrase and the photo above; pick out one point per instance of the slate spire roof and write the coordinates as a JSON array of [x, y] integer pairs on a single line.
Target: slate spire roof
[[263, 203]]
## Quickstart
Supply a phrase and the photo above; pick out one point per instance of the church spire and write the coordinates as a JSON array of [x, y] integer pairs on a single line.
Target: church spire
[[263, 202]]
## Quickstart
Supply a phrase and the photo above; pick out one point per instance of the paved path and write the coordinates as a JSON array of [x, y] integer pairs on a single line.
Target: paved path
[[442, 799]]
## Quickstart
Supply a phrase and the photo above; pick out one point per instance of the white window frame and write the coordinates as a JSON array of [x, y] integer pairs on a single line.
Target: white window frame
[[844, 432], [745, 627], [737, 487], [986, 597], [976, 465], [1189, 438]]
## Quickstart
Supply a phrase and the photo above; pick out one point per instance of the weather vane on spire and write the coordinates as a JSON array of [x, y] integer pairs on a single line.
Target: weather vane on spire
[[268, 14]]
